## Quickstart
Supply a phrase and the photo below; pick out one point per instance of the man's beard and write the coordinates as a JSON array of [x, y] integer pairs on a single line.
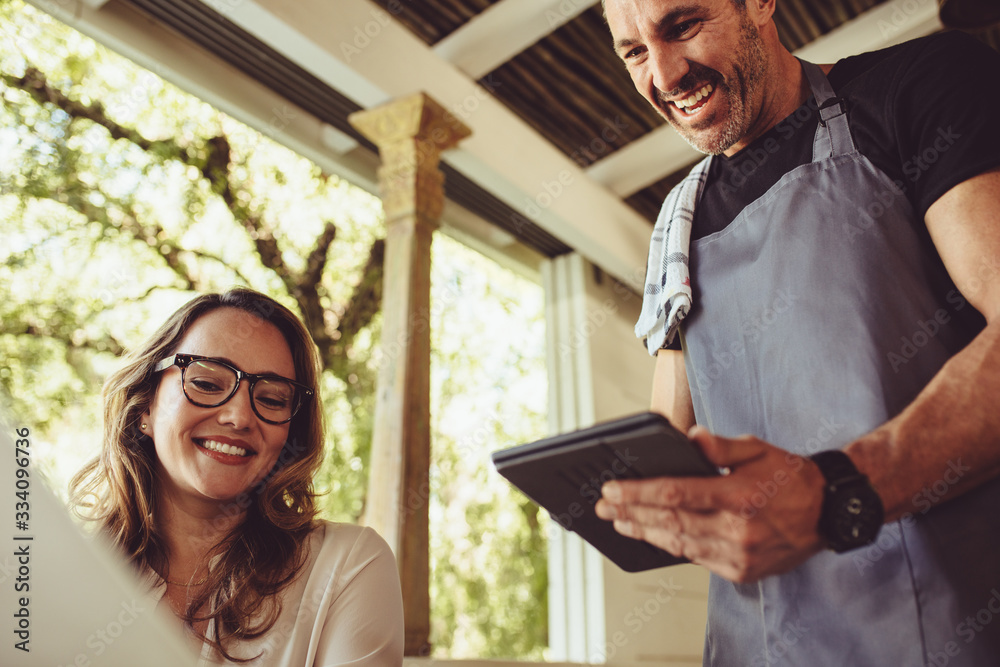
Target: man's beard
[[748, 74]]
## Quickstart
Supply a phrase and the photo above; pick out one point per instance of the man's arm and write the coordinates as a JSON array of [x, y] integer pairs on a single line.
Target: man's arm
[[671, 396], [954, 420]]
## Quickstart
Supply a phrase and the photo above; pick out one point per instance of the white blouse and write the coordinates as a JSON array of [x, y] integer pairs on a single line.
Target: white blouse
[[344, 607]]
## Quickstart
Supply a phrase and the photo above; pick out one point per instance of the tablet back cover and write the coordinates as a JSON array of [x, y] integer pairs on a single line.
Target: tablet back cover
[[564, 474]]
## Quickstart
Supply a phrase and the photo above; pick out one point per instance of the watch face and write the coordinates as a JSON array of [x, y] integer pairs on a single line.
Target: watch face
[[856, 516], [852, 512]]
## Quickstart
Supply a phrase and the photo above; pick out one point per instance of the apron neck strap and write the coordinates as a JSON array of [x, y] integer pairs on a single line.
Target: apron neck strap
[[833, 134]]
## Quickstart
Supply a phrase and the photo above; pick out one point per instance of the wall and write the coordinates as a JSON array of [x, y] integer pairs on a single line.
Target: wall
[[600, 371]]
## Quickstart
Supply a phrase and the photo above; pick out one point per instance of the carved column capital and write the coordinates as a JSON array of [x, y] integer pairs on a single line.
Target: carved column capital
[[411, 133]]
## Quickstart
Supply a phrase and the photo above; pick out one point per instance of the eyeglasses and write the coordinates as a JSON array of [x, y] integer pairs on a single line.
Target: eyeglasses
[[209, 382]]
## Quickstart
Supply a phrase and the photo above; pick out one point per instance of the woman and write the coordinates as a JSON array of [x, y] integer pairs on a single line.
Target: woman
[[213, 433]]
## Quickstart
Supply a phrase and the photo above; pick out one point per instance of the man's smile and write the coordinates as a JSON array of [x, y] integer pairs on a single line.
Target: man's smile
[[693, 103]]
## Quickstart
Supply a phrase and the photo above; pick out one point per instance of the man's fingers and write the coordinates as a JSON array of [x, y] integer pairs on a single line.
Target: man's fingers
[[696, 544], [695, 493], [727, 452], [693, 524], [758, 519], [667, 540], [721, 541]]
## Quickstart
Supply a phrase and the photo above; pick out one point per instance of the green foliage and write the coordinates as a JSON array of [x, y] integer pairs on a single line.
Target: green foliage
[[122, 196], [110, 223], [489, 391]]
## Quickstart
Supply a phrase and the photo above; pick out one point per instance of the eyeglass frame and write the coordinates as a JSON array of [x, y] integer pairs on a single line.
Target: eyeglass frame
[[182, 361]]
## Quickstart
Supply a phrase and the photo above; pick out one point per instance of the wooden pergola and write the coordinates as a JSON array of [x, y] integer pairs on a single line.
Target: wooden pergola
[[510, 125]]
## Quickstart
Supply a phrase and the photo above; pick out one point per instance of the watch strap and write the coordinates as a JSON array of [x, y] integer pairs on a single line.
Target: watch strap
[[836, 466]]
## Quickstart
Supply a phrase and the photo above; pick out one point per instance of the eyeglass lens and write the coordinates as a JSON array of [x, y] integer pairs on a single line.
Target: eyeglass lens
[[212, 384]]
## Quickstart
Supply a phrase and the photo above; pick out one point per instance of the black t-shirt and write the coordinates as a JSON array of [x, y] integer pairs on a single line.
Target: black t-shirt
[[925, 112]]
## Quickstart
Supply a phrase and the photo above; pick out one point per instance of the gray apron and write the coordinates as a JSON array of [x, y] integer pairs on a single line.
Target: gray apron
[[820, 312]]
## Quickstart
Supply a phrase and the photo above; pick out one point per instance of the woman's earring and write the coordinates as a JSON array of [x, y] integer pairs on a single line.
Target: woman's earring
[[143, 427]]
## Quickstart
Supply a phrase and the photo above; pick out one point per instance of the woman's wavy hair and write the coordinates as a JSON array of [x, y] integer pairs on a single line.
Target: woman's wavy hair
[[262, 555]]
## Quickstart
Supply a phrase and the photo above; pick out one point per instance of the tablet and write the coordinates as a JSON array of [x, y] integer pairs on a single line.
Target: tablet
[[564, 474]]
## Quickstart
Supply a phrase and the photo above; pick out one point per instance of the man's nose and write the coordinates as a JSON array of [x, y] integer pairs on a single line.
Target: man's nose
[[668, 67]]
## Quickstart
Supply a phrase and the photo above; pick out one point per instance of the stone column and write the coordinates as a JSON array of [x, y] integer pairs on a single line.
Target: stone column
[[410, 134]]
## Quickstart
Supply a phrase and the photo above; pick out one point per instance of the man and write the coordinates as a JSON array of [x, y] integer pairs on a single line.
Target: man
[[841, 355]]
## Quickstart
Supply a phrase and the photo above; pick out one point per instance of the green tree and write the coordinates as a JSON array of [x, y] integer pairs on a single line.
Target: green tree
[[121, 201], [121, 197]]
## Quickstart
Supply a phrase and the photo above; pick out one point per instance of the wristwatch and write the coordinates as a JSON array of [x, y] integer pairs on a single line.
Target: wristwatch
[[852, 512]]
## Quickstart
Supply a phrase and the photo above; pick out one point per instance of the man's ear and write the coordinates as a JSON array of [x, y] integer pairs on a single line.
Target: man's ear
[[760, 11]]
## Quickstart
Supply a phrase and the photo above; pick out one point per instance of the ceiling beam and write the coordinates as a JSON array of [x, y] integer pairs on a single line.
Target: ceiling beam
[[662, 152], [643, 162], [334, 69], [884, 25], [504, 155], [503, 30]]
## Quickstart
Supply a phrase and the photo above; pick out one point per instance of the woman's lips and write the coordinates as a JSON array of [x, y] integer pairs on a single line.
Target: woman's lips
[[224, 452]]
